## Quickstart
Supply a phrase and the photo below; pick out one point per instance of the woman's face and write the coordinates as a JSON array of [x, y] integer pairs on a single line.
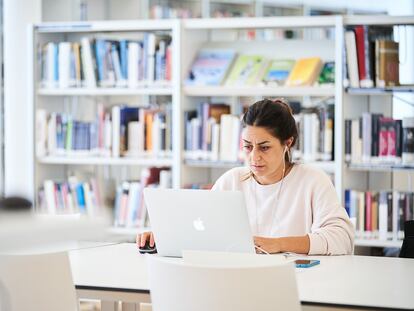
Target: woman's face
[[264, 153]]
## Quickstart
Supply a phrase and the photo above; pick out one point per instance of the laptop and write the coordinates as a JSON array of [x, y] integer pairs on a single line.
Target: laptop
[[202, 220]]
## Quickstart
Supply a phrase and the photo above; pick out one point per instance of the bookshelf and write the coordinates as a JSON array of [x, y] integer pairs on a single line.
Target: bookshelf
[[384, 179], [90, 105], [188, 37]]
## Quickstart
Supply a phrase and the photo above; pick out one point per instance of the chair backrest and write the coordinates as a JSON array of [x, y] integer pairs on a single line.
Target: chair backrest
[[407, 249], [179, 286], [40, 282]]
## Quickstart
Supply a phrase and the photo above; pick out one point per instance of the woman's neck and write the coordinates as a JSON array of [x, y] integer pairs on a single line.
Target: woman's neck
[[278, 176]]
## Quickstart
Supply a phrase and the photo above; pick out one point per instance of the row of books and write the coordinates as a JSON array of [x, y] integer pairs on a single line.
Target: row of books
[[373, 138], [107, 62], [70, 197], [123, 131], [162, 12], [316, 134], [224, 67], [372, 57], [379, 214], [212, 133], [130, 210]]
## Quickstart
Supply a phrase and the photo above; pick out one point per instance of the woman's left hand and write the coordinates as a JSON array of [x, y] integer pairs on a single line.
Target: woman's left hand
[[269, 245]]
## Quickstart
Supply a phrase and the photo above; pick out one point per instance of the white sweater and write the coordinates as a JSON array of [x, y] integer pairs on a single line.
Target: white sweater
[[307, 204]]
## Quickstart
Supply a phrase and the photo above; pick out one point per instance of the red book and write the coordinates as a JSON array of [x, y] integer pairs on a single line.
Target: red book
[[168, 63], [368, 211], [360, 43]]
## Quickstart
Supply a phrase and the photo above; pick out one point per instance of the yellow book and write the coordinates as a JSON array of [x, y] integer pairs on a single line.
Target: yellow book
[[305, 72]]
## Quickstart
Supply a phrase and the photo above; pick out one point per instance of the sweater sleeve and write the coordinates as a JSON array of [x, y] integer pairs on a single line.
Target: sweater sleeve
[[332, 232]]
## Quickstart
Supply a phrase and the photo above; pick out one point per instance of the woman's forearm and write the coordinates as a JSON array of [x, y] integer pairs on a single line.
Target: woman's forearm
[[295, 244]]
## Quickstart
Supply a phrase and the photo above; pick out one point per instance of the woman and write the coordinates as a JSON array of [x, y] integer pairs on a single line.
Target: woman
[[291, 207]]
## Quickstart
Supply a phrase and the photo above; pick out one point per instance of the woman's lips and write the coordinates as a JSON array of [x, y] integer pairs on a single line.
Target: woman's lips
[[257, 168]]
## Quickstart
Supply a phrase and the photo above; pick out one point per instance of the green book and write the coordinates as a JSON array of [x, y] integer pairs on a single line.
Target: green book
[[246, 70], [278, 71]]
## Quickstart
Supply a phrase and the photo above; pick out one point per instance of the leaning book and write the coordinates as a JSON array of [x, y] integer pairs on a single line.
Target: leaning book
[[210, 67]]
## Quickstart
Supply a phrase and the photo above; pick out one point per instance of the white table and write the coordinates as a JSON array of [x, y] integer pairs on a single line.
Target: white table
[[118, 272]]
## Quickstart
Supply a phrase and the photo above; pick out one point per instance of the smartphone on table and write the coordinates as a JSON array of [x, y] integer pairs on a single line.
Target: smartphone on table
[[306, 263]]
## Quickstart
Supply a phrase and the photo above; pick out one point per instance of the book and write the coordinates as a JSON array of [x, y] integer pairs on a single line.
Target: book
[[247, 70], [327, 74], [210, 67], [387, 61], [278, 71], [408, 140], [305, 72], [351, 58]]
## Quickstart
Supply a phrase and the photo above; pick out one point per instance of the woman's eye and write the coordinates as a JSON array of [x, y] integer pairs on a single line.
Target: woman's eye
[[247, 148], [264, 148]]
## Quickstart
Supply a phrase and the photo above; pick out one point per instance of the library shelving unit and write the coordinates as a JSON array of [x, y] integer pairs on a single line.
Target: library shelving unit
[[373, 175], [81, 102]]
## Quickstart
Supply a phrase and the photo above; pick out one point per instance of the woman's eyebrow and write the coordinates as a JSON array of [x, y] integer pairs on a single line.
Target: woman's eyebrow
[[261, 143]]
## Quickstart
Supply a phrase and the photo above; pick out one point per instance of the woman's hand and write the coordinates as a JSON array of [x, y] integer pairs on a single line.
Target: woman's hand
[[142, 238], [268, 245]]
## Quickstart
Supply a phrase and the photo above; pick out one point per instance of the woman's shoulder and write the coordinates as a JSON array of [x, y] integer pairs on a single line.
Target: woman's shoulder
[[309, 171], [236, 173], [232, 178]]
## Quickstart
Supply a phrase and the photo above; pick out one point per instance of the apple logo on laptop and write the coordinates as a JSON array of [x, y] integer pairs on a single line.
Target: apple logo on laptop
[[199, 224]]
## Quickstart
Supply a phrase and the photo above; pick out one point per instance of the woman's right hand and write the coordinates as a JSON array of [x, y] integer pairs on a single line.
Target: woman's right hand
[[144, 237]]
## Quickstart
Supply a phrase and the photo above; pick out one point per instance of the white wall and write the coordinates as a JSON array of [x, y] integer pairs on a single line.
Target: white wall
[[17, 14]]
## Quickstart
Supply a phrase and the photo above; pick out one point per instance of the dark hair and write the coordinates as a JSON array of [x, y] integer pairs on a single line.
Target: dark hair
[[275, 116]]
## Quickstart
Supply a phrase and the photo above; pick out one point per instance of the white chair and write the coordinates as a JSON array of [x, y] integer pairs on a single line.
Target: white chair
[[36, 283], [180, 286]]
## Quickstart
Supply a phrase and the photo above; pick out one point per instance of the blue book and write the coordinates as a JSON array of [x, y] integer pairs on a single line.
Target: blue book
[[123, 47], [100, 57], [210, 67], [56, 63], [348, 201], [80, 196]]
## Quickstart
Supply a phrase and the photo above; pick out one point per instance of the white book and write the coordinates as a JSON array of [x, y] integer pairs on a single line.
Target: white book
[[133, 138], [51, 134], [382, 216], [133, 203], [395, 197], [49, 188], [356, 142], [351, 58], [215, 141], [156, 133], [88, 64], [133, 64], [41, 132], [150, 66], [116, 124], [328, 139], [165, 179], [107, 132], [195, 134], [90, 208], [51, 54], [366, 136], [311, 132], [120, 81], [64, 64], [229, 138]]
